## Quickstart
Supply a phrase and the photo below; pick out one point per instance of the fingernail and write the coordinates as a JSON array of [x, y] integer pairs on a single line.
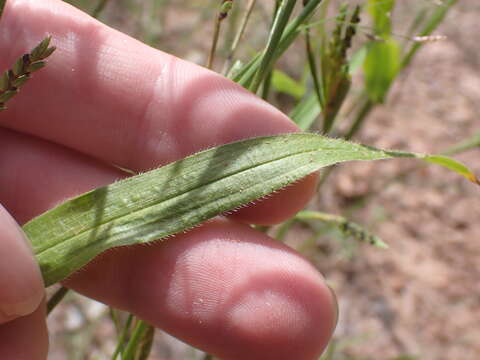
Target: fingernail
[[335, 304]]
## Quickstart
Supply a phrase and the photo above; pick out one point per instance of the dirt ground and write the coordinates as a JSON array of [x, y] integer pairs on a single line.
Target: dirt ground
[[421, 297]]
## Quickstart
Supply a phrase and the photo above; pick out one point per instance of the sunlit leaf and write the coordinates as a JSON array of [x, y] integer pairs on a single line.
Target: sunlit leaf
[[183, 194]]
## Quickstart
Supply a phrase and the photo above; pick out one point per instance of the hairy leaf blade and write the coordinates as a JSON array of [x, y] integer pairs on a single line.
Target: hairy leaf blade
[[180, 196]]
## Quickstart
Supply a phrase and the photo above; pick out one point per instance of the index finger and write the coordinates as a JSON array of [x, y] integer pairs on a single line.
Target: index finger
[[116, 99], [110, 96]]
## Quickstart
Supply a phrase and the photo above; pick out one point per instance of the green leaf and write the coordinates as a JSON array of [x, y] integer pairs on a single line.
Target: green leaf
[[181, 195], [306, 111], [357, 60], [283, 83], [381, 67], [453, 165], [381, 12]]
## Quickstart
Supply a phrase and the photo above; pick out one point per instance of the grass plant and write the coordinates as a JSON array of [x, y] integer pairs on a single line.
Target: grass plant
[[255, 167], [13, 79]]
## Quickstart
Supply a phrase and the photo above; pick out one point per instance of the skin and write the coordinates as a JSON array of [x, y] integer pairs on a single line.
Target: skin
[[107, 99]]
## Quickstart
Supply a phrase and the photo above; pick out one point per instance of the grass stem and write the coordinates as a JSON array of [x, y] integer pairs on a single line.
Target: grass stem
[[56, 298], [2, 6], [100, 7], [130, 350], [213, 48], [362, 114], [222, 14], [245, 76], [123, 337], [312, 65], [251, 4], [278, 28]]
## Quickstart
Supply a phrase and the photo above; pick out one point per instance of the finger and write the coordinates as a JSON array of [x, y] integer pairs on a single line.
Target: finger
[[36, 175], [112, 97], [21, 285], [42, 157], [224, 288], [25, 338]]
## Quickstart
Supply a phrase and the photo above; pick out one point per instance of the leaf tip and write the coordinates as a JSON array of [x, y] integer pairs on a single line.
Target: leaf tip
[[473, 178]]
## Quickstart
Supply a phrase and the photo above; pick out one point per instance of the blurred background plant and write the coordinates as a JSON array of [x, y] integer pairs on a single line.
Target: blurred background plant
[[354, 70]]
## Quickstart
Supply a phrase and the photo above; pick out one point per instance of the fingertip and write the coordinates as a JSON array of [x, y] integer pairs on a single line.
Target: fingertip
[[21, 284], [25, 338], [224, 288]]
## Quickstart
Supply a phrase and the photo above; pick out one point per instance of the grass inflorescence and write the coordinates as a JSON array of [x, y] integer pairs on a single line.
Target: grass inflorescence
[[13, 79]]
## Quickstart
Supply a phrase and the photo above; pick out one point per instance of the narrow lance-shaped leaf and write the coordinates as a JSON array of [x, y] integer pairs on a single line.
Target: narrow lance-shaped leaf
[[183, 194]]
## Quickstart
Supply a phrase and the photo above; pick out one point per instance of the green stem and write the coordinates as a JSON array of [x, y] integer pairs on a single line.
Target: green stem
[[433, 23], [268, 79], [435, 20], [283, 229], [98, 10], [362, 114], [114, 316], [240, 33], [137, 334], [245, 76], [281, 20], [56, 298], [213, 48], [465, 145], [123, 336], [267, 86], [312, 65], [2, 6]]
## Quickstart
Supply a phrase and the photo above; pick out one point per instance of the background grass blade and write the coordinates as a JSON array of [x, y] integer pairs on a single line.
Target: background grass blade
[[245, 76], [306, 111], [347, 227], [2, 6], [183, 194], [278, 27]]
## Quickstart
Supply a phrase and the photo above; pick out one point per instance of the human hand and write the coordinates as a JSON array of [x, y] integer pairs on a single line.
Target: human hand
[[108, 99]]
